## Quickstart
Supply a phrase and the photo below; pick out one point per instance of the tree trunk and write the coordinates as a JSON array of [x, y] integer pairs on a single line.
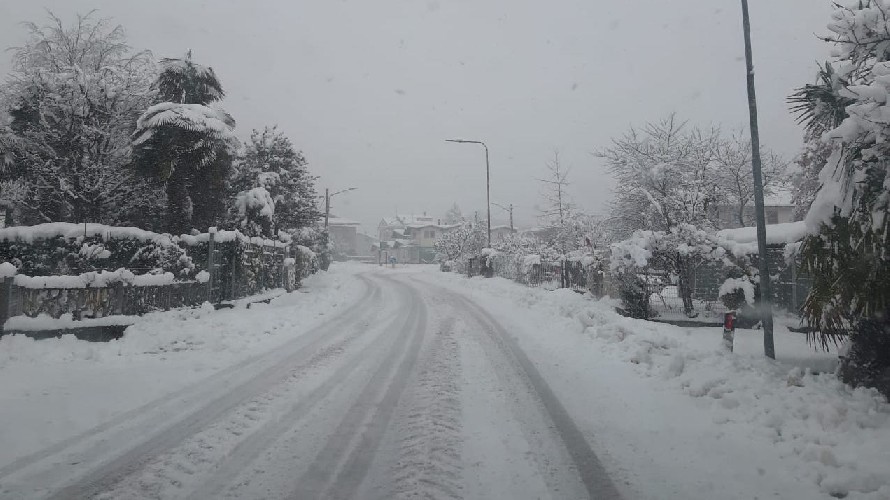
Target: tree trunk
[[179, 215]]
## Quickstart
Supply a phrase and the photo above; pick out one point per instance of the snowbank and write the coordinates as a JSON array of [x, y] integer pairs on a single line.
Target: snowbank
[[65, 322]]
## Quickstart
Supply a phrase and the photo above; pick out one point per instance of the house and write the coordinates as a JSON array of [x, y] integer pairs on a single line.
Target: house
[[391, 228], [411, 238], [366, 245], [777, 209], [500, 232], [343, 234]]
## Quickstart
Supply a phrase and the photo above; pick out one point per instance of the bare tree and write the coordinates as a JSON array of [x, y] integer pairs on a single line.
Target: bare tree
[[665, 177], [554, 192], [732, 158]]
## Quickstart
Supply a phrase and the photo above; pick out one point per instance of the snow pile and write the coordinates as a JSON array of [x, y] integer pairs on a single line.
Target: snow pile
[[257, 199], [7, 270], [66, 321], [732, 284], [824, 438]]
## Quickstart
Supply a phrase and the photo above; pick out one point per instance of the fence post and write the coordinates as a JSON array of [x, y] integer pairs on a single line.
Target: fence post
[[210, 264], [5, 299]]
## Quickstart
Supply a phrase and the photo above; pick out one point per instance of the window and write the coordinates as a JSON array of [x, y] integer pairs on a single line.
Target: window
[[772, 215]]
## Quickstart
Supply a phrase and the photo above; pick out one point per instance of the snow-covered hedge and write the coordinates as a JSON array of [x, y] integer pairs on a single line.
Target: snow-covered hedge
[[60, 248], [685, 253]]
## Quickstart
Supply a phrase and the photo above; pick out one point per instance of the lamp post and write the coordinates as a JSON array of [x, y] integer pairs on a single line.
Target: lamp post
[[765, 309], [327, 202], [487, 180]]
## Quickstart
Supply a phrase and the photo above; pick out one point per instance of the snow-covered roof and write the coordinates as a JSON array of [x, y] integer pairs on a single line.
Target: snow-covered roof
[[340, 221], [743, 240], [787, 232], [408, 220], [780, 197]]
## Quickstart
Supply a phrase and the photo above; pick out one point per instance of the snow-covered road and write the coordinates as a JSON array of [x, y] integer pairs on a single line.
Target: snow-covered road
[[409, 391]]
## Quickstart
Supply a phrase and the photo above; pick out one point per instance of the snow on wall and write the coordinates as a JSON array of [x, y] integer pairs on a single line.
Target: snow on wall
[[94, 280], [70, 231]]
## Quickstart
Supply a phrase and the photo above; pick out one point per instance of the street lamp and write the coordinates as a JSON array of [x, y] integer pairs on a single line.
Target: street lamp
[[327, 202], [487, 180]]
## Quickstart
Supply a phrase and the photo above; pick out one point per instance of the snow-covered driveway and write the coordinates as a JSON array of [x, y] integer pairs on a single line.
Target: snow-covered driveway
[[409, 390]]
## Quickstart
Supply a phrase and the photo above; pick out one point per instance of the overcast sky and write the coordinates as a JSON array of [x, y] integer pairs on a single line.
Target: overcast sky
[[369, 90]]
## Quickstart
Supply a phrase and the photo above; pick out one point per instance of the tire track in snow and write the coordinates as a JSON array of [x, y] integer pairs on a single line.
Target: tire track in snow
[[592, 473], [340, 467], [251, 448], [429, 463], [594, 476]]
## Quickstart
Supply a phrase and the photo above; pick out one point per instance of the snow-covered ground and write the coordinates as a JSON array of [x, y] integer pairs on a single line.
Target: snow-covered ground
[[56, 388], [394, 383], [680, 418]]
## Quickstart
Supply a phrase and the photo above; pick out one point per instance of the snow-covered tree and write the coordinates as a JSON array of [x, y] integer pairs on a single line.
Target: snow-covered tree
[[271, 162], [849, 257], [453, 215], [460, 244], [665, 177], [72, 97], [732, 171], [187, 143]]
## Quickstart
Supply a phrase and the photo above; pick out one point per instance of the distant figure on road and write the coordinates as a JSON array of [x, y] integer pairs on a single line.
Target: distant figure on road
[[392, 261]]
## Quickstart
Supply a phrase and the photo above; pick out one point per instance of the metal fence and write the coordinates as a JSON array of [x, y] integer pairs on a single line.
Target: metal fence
[[699, 298], [549, 275], [659, 294], [236, 269]]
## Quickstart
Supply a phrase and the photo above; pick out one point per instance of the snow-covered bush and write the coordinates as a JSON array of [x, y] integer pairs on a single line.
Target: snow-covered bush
[[256, 210], [673, 254], [461, 244]]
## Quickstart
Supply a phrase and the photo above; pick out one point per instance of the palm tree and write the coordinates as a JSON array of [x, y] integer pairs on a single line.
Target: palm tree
[[187, 143]]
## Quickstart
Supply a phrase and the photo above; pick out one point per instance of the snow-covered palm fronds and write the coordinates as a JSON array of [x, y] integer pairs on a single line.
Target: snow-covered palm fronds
[[206, 121], [182, 80]]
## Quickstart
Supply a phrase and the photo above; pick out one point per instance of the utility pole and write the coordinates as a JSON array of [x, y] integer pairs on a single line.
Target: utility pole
[[327, 206], [765, 307]]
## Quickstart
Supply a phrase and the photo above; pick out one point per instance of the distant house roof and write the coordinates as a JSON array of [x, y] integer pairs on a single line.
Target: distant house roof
[[407, 220], [340, 221]]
